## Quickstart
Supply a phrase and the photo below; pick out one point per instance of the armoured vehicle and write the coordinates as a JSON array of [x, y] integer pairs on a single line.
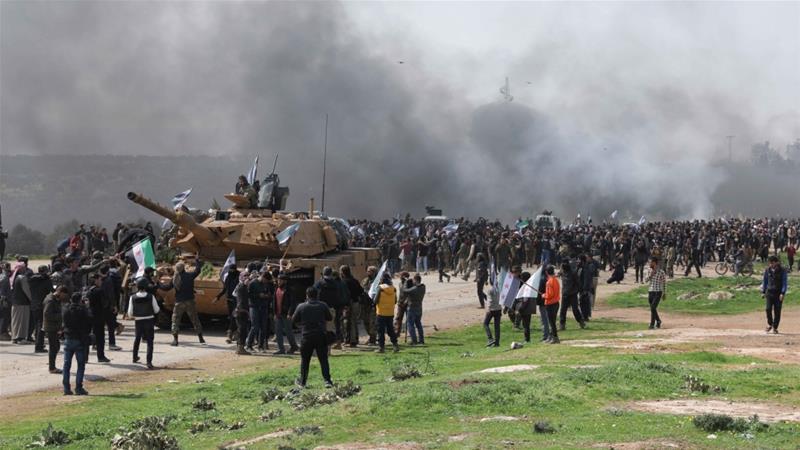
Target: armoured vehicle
[[546, 220], [251, 231]]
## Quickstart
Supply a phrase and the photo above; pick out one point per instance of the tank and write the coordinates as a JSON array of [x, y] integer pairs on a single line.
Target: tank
[[251, 232]]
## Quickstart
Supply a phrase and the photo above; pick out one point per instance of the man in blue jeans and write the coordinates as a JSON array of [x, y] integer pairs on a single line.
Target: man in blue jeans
[[284, 305], [415, 295], [77, 325]]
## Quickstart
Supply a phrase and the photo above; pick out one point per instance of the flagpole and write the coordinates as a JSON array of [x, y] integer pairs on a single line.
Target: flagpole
[[324, 162]]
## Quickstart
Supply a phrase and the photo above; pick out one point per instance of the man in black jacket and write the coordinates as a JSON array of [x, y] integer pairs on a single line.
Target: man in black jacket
[[588, 272], [76, 323], [312, 317], [353, 312], [20, 304], [569, 296], [97, 305], [40, 285]]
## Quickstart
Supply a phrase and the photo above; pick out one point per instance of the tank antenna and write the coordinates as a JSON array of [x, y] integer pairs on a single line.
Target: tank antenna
[[324, 163]]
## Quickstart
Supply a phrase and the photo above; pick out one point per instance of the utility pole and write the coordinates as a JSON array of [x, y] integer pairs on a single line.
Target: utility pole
[[324, 163], [730, 148]]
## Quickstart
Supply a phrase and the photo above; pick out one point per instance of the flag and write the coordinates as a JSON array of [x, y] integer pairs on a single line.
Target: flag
[[614, 214], [492, 276], [452, 228], [642, 220], [373, 289], [230, 262], [180, 199], [530, 288], [416, 232], [144, 256], [251, 176], [177, 201], [509, 290], [284, 236], [522, 224]]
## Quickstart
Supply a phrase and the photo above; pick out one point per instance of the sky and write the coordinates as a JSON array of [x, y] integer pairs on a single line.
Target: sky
[[616, 104]]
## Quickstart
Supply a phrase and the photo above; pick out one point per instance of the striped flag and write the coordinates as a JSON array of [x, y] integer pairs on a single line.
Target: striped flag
[[144, 256], [251, 176], [177, 201], [230, 262], [508, 292], [284, 236]]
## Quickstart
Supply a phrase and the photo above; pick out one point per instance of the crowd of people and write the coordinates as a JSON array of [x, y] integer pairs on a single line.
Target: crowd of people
[[79, 297]]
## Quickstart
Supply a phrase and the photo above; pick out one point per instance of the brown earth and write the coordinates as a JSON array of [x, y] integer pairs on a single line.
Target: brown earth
[[766, 412]]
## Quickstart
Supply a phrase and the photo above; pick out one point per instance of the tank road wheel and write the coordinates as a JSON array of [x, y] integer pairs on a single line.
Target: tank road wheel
[[721, 268], [164, 320]]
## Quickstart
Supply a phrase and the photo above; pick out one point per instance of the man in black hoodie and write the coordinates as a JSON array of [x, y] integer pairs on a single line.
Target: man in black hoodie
[[40, 285], [97, 305], [76, 323], [569, 296]]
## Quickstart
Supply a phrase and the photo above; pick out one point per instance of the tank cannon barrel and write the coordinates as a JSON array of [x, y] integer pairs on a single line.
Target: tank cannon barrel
[[153, 206], [180, 218]]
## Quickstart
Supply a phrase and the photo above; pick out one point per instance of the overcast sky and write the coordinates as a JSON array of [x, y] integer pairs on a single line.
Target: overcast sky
[[648, 83]]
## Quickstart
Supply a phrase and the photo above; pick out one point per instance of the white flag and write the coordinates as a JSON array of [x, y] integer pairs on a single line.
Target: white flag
[[530, 288], [614, 214], [373, 289], [251, 176], [642, 220]]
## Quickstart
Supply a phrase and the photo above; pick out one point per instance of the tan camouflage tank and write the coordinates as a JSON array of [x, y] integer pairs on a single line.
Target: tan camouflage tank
[[251, 232]]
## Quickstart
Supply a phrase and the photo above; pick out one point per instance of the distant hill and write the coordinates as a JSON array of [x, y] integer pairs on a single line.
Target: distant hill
[[41, 191]]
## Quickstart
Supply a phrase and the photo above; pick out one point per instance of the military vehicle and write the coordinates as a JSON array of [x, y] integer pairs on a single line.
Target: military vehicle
[[250, 231], [546, 220]]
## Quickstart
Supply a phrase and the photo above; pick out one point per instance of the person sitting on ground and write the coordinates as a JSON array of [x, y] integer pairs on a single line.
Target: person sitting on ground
[[618, 274]]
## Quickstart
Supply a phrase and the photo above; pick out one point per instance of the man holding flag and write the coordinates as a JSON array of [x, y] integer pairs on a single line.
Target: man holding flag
[[230, 279]]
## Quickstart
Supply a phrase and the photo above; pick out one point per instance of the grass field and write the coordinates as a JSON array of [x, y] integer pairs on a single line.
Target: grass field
[[746, 295], [583, 405]]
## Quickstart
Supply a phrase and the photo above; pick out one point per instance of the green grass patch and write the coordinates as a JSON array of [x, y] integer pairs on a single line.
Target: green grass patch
[[558, 405], [690, 295]]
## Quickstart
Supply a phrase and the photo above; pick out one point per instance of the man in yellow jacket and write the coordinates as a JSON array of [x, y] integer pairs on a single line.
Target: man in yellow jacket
[[385, 301]]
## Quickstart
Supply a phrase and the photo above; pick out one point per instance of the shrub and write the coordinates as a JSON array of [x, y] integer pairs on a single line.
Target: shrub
[[203, 404], [50, 436], [695, 384], [405, 372], [721, 422], [543, 426], [149, 433], [271, 415]]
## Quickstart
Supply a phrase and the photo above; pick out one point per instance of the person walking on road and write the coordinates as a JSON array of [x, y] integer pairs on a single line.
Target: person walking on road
[[313, 316], [773, 289], [658, 283], [142, 307]]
